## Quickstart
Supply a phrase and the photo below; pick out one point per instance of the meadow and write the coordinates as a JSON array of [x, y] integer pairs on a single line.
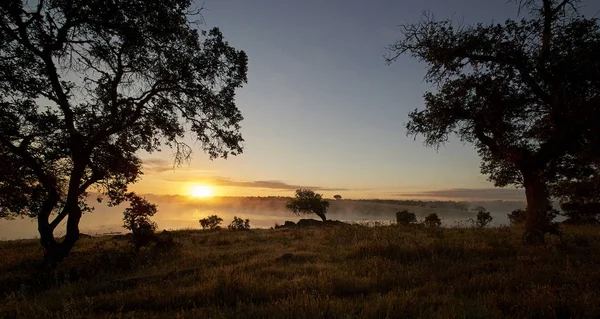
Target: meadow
[[343, 271]]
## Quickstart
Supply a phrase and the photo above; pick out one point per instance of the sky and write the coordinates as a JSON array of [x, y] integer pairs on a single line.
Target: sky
[[324, 111]]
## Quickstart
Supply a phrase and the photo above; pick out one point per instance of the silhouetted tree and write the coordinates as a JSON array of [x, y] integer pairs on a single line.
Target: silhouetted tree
[[211, 222], [86, 85], [484, 218], [239, 224], [525, 93], [337, 197], [405, 217], [307, 201], [432, 220], [136, 218], [516, 217]]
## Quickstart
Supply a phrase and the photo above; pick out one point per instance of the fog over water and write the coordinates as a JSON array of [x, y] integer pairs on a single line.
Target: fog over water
[[177, 212]]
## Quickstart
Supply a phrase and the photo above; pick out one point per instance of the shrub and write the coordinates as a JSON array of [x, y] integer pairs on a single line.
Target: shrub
[[432, 220], [136, 218], [405, 217], [483, 219], [211, 222], [239, 224], [516, 217]]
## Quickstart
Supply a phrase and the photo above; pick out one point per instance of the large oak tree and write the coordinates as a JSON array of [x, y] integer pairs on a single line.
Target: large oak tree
[[87, 84], [525, 93]]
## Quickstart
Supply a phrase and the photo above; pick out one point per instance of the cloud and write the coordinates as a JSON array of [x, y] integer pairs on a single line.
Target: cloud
[[271, 184], [156, 165], [508, 194]]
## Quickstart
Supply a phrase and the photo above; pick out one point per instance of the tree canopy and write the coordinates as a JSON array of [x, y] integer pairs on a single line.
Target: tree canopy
[[85, 85], [525, 93], [307, 201]]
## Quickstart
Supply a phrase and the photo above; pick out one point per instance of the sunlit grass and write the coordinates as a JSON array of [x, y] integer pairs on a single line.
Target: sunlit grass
[[334, 272]]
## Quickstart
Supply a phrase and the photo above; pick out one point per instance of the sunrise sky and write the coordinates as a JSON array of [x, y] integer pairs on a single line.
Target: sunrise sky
[[323, 110]]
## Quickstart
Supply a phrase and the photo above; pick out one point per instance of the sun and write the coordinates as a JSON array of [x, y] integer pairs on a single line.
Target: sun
[[201, 191]]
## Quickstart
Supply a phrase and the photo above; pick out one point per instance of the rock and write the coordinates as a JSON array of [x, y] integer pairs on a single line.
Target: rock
[[308, 222], [289, 224]]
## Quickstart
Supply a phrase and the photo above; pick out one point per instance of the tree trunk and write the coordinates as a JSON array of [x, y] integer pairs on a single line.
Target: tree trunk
[[537, 221], [323, 217], [58, 251]]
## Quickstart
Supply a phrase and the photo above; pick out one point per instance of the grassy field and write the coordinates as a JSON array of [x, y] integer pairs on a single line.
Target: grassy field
[[333, 272]]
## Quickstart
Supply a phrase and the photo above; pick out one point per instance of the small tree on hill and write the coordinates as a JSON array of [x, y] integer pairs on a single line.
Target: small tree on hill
[[337, 197], [432, 220], [211, 222], [308, 202], [405, 217]]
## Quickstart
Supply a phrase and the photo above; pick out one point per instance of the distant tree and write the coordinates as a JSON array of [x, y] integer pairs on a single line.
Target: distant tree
[[432, 220], [239, 224], [307, 201], [137, 219], [525, 93], [517, 217], [211, 222], [405, 217], [483, 218], [86, 86], [337, 197]]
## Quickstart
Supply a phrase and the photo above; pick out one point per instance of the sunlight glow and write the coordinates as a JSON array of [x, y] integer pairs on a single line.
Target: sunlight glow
[[202, 191]]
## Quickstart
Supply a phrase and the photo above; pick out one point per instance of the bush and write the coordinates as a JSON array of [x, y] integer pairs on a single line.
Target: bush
[[211, 222], [405, 218], [516, 217], [483, 219], [136, 218], [432, 220], [239, 224]]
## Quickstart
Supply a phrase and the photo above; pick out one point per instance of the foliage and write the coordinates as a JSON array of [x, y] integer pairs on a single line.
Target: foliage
[[307, 201], [484, 218], [580, 199], [85, 86], [211, 222], [517, 217], [524, 93], [239, 224], [337, 197], [432, 220], [136, 218], [405, 217]]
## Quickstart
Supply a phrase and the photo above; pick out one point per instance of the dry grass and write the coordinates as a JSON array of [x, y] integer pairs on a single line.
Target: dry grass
[[335, 272]]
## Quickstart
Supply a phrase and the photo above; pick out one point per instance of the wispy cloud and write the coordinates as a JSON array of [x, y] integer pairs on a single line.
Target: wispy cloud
[[469, 194], [225, 181], [157, 166]]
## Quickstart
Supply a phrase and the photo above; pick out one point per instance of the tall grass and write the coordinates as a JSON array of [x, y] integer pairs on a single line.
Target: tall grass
[[333, 272]]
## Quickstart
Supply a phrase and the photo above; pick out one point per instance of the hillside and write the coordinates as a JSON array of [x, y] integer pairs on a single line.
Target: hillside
[[334, 272]]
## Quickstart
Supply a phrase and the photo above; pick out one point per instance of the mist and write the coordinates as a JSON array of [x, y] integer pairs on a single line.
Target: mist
[[181, 212]]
